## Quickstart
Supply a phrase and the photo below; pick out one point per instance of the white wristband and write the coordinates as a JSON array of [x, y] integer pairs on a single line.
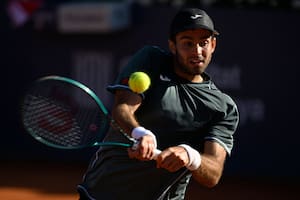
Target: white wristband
[[194, 157], [140, 131]]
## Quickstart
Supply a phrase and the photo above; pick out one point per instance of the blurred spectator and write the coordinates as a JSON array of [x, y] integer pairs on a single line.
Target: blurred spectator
[[20, 11]]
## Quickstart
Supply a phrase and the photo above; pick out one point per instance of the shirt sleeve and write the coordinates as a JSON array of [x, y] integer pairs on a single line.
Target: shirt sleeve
[[141, 61], [224, 126]]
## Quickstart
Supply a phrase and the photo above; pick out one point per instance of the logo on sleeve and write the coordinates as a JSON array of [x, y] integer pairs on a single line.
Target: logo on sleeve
[[164, 78]]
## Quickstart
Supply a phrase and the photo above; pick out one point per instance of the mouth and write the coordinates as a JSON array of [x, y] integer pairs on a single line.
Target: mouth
[[196, 61]]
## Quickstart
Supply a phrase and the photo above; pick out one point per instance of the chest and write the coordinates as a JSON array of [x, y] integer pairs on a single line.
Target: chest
[[179, 107]]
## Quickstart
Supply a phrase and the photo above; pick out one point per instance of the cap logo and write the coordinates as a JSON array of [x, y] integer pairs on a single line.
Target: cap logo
[[196, 16]]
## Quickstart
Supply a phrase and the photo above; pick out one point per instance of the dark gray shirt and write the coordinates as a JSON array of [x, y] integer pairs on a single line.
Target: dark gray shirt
[[177, 112]]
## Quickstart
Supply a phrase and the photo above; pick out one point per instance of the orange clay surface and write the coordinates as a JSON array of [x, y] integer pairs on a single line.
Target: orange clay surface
[[57, 181]]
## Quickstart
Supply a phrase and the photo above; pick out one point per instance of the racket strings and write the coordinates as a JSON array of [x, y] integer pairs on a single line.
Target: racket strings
[[63, 113], [50, 121], [90, 121], [58, 124]]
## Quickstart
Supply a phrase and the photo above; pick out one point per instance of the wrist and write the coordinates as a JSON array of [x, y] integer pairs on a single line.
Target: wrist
[[140, 131], [194, 157]]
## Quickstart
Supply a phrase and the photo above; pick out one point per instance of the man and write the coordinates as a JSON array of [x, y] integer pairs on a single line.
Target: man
[[182, 113]]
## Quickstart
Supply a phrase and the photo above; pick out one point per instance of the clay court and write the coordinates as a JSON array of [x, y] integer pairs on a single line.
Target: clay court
[[57, 181]]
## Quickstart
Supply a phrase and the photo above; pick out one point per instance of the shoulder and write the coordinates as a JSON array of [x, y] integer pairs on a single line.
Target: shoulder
[[227, 106], [221, 100], [220, 94], [225, 98], [153, 51], [150, 56], [152, 59]]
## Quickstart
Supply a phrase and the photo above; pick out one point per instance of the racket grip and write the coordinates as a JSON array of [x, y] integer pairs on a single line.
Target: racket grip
[[156, 153]]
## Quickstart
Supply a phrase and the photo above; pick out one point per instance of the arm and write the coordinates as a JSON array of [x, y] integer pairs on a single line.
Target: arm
[[212, 162], [126, 103]]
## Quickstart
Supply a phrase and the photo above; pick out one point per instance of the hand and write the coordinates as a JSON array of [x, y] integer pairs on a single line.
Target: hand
[[144, 149], [173, 159]]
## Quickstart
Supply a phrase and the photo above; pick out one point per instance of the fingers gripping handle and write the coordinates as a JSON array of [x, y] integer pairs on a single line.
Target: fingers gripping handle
[[156, 153]]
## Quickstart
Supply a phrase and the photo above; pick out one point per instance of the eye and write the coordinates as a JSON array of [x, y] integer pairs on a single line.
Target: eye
[[204, 43], [187, 44]]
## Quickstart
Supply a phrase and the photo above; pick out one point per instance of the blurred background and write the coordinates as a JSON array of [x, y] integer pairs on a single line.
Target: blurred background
[[256, 62]]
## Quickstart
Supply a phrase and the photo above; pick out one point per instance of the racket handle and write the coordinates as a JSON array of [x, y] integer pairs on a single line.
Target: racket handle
[[156, 153]]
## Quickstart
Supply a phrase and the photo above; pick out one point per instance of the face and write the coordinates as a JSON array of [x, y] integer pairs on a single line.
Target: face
[[193, 50]]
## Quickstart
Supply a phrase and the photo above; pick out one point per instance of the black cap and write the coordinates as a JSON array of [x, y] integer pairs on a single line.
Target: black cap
[[190, 19]]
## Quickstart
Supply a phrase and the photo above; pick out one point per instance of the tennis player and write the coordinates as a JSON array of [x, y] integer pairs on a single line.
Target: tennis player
[[182, 113]]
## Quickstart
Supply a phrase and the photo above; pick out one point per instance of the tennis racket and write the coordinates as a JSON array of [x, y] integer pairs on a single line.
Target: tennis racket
[[63, 113]]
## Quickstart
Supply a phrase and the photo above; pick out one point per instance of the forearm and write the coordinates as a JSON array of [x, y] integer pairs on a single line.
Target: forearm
[[124, 118], [209, 172], [126, 103], [211, 166]]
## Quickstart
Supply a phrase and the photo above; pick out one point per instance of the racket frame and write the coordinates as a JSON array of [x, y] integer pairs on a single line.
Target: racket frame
[[108, 121]]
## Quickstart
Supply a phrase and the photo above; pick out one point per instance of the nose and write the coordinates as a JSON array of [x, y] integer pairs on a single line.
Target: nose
[[198, 49]]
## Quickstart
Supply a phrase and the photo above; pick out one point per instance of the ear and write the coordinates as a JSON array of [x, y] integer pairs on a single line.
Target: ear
[[172, 47]]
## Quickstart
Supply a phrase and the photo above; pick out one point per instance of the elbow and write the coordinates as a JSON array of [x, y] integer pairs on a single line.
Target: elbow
[[212, 182], [208, 182]]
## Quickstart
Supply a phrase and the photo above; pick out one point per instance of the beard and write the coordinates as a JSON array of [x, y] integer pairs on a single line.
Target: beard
[[190, 69]]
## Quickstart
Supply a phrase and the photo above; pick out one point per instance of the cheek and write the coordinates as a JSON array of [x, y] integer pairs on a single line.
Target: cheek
[[180, 58], [181, 55]]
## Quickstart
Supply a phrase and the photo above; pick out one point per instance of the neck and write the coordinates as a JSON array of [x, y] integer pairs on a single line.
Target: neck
[[190, 77], [197, 79]]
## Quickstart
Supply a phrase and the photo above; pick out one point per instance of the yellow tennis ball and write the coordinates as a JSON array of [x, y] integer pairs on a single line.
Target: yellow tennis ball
[[139, 82]]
